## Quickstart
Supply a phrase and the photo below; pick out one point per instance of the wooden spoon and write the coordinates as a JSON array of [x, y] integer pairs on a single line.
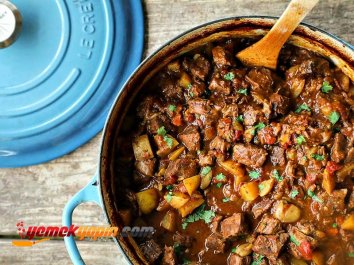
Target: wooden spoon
[[266, 51]]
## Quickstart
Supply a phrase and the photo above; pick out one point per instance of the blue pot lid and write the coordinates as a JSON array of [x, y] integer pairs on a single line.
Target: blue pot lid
[[60, 77]]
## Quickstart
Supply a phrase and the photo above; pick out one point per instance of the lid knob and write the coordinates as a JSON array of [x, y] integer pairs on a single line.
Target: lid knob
[[10, 23]]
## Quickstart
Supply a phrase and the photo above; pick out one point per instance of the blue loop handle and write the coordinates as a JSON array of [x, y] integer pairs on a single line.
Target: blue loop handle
[[88, 194]]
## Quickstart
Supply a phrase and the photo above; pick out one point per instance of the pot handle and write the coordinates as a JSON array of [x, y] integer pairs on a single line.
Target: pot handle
[[90, 193]]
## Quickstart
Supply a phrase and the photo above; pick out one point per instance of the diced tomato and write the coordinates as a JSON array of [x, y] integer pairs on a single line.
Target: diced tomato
[[305, 250], [332, 167], [311, 179], [177, 120], [238, 135], [189, 117], [170, 180]]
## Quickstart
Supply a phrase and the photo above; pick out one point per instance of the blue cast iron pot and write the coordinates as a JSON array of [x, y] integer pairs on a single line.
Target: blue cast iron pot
[[101, 188]]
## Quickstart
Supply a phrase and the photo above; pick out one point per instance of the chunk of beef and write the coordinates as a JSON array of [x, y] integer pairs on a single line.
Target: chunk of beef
[[215, 224], [261, 207], [146, 167], [333, 203], [156, 121], [300, 238], [249, 155], [261, 81], [199, 106], [149, 107], [183, 240], [170, 89], [233, 226], [350, 156], [219, 144], [267, 136], [182, 168], [199, 66], [151, 250], [226, 130], [190, 137], [205, 159], [282, 260], [280, 104], [235, 259], [216, 243], [230, 110], [270, 246], [351, 201], [222, 57], [268, 225], [303, 69], [169, 257], [251, 116], [219, 85], [277, 156], [338, 151], [197, 88]]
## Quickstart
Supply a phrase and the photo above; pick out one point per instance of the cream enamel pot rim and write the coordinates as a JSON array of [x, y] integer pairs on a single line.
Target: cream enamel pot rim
[[101, 188]]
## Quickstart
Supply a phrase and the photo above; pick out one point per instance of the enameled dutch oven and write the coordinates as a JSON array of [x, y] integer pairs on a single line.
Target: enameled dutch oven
[[101, 188]]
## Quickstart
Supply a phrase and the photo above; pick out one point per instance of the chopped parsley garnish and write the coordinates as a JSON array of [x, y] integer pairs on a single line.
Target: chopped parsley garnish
[[205, 171], [169, 187], [219, 185], [161, 131], [334, 117], [186, 261], [261, 187], [178, 248], [200, 214], [240, 118], [300, 140], [326, 87], [225, 199], [351, 255], [276, 175], [294, 193], [233, 250], [169, 196], [254, 174], [172, 108], [294, 240], [168, 141], [258, 127], [242, 91], [302, 107], [314, 197], [229, 76], [189, 86], [220, 177], [258, 261], [317, 157], [334, 225]]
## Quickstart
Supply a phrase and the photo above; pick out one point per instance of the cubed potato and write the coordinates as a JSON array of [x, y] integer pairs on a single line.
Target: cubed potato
[[142, 148], [248, 134], [174, 66], [192, 184], [297, 86], [147, 200], [190, 206], [206, 180], [328, 182], [345, 171], [185, 80], [244, 249], [169, 221], [294, 261], [249, 191], [177, 199], [318, 258], [287, 213], [175, 154], [348, 223], [163, 148], [266, 186], [232, 167]]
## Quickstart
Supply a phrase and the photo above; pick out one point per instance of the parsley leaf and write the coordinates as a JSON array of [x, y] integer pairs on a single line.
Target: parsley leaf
[[300, 140], [294, 193], [189, 86], [169, 187], [219, 185], [334, 117], [351, 255], [161, 131], [205, 171], [276, 175], [172, 108], [302, 107], [226, 200], [317, 157], [261, 187], [186, 261], [229, 76], [168, 141], [258, 261], [312, 195], [200, 214], [169, 196], [294, 240], [242, 91], [326, 87], [233, 250], [220, 177], [258, 127], [334, 225], [240, 118], [254, 174]]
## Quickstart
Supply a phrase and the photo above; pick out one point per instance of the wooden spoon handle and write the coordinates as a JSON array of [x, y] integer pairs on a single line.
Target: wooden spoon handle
[[290, 19]]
